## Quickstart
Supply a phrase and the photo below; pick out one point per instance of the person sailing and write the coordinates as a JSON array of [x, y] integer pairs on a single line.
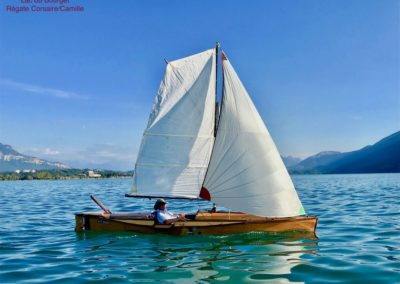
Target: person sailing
[[163, 216]]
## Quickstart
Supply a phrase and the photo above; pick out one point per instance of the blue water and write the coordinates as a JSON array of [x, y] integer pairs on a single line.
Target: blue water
[[358, 238]]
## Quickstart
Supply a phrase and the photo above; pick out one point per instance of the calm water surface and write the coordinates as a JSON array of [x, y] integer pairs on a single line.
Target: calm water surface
[[358, 238]]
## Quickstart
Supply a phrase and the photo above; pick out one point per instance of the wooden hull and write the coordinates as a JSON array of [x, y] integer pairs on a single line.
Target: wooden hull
[[201, 223]]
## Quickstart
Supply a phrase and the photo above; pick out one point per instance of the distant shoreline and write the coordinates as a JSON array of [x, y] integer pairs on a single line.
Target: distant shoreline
[[66, 174]]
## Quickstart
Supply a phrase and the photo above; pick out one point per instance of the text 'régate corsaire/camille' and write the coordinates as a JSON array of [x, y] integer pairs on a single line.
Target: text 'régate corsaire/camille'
[[44, 6]]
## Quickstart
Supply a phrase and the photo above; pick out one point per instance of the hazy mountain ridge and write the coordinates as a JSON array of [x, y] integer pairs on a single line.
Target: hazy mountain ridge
[[290, 161], [11, 160], [381, 157], [311, 163]]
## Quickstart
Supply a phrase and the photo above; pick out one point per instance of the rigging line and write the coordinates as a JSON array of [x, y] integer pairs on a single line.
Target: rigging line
[[219, 176], [183, 95], [231, 177], [216, 126], [236, 186], [204, 70], [181, 79], [246, 196], [235, 175], [177, 75], [225, 181], [229, 82], [221, 160]]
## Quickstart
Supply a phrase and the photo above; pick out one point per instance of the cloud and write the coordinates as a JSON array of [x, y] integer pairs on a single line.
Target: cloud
[[42, 152], [107, 152], [98, 156], [105, 156], [57, 93]]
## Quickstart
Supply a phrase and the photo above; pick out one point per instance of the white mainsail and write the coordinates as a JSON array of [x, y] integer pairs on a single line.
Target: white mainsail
[[177, 142], [246, 172]]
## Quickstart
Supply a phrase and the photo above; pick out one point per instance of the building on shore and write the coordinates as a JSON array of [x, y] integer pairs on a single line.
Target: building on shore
[[92, 174]]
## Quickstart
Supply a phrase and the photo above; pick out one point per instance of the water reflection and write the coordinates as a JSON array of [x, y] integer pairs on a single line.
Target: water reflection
[[234, 259]]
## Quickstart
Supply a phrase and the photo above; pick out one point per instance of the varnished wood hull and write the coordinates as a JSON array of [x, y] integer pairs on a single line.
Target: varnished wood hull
[[201, 223]]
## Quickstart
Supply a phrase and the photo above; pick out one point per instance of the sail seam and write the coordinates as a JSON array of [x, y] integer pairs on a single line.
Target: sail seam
[[231, 177], [211, 177], [170, 165], [190, 197], [177, 135], [181, 94], [233, 187], [246, 196], [226, 170]]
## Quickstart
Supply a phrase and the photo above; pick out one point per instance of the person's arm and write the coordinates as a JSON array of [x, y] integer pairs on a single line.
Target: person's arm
[[170, 221], [179, 217]]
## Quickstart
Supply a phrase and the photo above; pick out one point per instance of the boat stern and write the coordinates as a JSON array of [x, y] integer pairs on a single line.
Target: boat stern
[[82, 222]]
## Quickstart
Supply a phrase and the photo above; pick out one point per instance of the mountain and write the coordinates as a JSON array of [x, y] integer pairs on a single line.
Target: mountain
[[290, 161], [313, 163], [11, 160], [382, 157]]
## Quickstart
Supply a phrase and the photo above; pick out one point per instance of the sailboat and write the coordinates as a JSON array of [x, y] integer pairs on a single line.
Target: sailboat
[[195, 148]]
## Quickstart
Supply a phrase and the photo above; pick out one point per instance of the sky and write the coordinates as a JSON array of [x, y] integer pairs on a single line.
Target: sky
[[77, 87]]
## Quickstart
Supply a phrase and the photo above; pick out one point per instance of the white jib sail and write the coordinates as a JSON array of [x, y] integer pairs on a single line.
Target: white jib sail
[[177, 142], [246, 172]]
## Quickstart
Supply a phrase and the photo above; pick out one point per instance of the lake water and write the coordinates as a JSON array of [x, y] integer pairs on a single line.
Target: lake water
[[358, 237]]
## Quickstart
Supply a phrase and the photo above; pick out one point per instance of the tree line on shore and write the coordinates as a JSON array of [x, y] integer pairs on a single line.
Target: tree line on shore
[[63, 174]]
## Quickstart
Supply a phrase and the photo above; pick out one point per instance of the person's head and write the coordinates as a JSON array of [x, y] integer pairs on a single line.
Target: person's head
[[160, 204]]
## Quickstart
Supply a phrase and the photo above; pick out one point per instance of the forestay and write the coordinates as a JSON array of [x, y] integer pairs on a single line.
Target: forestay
[[246, 172], [177, 142]]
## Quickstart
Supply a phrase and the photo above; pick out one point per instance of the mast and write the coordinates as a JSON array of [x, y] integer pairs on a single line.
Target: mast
[[216, 89], [204, 193]]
